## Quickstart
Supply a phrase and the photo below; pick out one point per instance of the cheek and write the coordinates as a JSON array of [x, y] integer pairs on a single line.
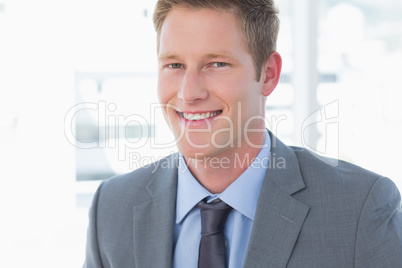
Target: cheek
[[236, 92], [228, 90], [166, 89], [160, 95], [245, 100], [166, 98], [160, 89]]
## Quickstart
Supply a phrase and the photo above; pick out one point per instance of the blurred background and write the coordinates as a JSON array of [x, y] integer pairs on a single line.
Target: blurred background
[[78, 104]]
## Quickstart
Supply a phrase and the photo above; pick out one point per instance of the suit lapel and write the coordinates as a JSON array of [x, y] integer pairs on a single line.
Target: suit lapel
[[153, 218], [279, 216]]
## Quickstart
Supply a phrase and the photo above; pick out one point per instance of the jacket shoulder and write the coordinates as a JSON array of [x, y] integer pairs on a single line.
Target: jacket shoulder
[[313, 165], [135, 183]]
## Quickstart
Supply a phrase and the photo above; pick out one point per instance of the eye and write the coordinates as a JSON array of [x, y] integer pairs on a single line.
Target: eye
[[219, 64], [175, 65]]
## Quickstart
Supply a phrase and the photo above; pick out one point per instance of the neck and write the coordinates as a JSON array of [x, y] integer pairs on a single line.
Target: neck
[[218, 172]]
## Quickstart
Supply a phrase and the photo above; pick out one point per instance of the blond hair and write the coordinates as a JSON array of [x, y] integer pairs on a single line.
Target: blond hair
[[258, 20]]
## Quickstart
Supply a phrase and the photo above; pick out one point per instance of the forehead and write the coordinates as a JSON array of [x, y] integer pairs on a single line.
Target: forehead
[[192, 28], [185, 8]]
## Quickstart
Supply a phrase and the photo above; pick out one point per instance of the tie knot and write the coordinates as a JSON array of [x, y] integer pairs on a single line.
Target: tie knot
[[213, 217]]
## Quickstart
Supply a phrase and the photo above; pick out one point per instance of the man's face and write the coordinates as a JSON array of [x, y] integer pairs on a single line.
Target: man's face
[[207, 84]]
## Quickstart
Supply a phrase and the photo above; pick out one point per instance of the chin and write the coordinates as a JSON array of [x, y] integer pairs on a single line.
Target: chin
[[196, 153]]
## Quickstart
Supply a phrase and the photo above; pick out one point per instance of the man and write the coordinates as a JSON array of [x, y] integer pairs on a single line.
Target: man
[[280, 206]]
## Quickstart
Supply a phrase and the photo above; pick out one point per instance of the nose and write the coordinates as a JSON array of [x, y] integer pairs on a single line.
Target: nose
[[192, 87]]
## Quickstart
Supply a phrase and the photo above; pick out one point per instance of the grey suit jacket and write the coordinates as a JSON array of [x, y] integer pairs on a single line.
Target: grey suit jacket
[[309, 214]]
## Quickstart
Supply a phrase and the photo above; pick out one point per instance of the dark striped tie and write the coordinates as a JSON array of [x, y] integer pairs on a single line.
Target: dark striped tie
[[212, 245]]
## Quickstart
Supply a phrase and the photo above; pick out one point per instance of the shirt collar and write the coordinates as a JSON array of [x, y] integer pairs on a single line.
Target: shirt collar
[[242, 195], [189, 191]]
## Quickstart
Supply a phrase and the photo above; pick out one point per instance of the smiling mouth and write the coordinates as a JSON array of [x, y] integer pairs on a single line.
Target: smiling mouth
[[199, 116]]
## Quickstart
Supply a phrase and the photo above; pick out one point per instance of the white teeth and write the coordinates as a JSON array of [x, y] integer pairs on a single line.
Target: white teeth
[[194, 117]]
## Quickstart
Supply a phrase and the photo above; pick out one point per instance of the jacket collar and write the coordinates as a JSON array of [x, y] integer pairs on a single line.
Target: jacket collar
[[153, 218], [279, 216]]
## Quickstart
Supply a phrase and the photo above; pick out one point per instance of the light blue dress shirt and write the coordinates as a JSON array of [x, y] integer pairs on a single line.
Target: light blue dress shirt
[[242, 195]]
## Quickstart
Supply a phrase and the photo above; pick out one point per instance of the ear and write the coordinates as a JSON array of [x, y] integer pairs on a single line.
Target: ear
[[270, 73]]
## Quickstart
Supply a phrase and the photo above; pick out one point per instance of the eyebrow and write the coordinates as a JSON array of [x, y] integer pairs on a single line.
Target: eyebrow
[[165, 57], [219, 54], [215, 55]]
